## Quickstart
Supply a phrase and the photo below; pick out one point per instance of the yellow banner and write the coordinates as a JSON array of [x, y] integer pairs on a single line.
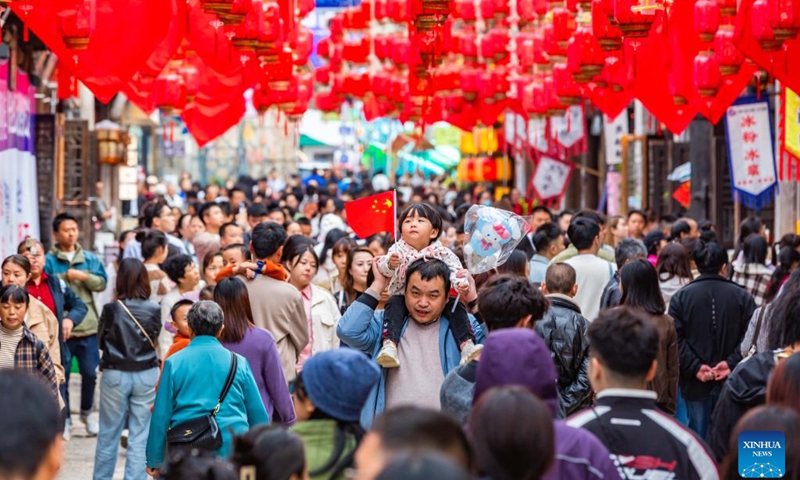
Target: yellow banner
[[791, 123]]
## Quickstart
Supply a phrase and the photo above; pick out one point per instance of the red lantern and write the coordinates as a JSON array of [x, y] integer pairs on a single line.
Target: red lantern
[[784, 18], [470, 83], [501, 8], [608, 35], [261, 99], [247, 34], [356, 51], [727, 7], [706, 19], [526, 12], [728, 56], [525, 49], [554, 105], [74, 26], [585, 57], [707, 76], [540, 56], [304, 7], [465, 10], [541, 7], [236, 13], [551, 46], [564, 25], [468, 47], [634, 17], [270, 39], [566, 89], [169, 93], [540, 99], [500, 39], [191, 80], [397, 11], [302, 45], [501, 83], [761, 29]]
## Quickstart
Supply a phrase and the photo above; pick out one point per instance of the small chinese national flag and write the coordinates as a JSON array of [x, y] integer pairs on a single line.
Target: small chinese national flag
[[372, 215]]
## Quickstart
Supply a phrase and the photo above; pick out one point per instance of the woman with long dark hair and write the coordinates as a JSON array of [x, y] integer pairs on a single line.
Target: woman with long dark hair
[[516, 264], [155, 249], [327, 268], [126, 334], [257, 345], [300, 261], [329, 395], [356, 277], [747, 227], [784, 384], [640, 289], [674, 270], [788, 260], [751, 272]]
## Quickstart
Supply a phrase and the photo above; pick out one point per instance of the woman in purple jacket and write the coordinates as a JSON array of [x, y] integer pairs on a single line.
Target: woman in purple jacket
[[257, 345]]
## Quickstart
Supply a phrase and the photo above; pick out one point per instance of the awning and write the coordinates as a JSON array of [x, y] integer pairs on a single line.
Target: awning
[[306, 141]]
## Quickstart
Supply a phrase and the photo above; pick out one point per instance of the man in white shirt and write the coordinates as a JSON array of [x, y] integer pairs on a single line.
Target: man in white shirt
[[593, 273]]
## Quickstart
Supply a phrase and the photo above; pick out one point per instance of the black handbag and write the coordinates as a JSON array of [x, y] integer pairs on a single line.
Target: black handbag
[[200, 433]]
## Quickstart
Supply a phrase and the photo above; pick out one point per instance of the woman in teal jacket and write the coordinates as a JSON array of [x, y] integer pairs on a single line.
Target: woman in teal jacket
[[192, 381]]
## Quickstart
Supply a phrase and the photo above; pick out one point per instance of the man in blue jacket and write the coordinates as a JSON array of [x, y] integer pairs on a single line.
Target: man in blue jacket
[[428, 351]]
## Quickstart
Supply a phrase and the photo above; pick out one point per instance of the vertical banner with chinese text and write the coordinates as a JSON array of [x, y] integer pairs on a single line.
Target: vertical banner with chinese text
[[750, 154]]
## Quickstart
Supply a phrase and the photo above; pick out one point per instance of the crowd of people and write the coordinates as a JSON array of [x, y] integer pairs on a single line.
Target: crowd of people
[[244, 331]]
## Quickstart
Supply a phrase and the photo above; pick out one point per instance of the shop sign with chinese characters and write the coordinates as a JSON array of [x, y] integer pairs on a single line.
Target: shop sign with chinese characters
[[750, 154]]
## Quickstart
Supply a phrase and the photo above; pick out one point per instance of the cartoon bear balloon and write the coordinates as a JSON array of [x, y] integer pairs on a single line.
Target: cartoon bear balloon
[[491, 235]]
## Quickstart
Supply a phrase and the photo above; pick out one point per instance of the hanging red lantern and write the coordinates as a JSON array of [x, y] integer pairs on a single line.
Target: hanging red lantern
[[525, 50], [247, 34], [585, 58], [302, 45], [465, 10], [761, 29], [500, 38], [74, 26], [564, 26], [540, 55], [281, 71], [169, 93], [635, 17], [261, 99], [706, 19], [470, 83], [381, 10], [191, 80], [728, 56], [236, 13], [468, 47], [784, 18], [271, 36], [566, 89], [554, 105], [356, 51], [501, 9], [526, 12], [397, 11], [501, 84], [608, 35], [707, 75], [727, 7], [304, 7], [487, 88], [551, 46]]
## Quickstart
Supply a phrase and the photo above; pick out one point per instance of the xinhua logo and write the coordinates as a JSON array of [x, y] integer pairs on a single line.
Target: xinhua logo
[[762, 454]]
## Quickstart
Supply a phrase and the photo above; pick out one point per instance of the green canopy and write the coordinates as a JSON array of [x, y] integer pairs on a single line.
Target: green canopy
[[306, 141]]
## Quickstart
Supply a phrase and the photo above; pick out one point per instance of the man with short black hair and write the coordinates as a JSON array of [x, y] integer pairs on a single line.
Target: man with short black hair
[[644, 442], [411, 429], [277, 215], [548, 241], [711, 315], [230, 234], [31, 446], [593, 273], [684, 228], [305, 226], [428, 350], [208, 241], [85, 275], [606, 252], [629, 249], [277, 306], [637, 222]]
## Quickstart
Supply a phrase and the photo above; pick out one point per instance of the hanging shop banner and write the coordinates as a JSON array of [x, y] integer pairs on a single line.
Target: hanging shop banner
[[789, 163], [551, 179], [613, 131], [569, 130], [19, 206], [750, 155], [537, 134]]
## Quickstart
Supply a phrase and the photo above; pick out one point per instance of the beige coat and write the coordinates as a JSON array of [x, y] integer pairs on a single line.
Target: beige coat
[[324, 318], [278, 307], [42, 323]]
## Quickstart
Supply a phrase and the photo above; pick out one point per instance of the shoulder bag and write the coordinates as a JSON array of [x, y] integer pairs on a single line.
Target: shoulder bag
[[146, 335], [753, 346], [200, 433]]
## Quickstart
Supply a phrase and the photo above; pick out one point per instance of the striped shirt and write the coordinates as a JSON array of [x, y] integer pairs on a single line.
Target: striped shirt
[[9, 339]]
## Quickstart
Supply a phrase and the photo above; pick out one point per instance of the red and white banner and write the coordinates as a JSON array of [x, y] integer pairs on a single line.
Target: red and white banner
[[751, 159]]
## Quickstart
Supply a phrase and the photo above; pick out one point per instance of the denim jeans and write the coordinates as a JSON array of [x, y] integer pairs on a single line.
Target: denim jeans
[[698, 413], [124, 395], [86, 351], [680, 411]]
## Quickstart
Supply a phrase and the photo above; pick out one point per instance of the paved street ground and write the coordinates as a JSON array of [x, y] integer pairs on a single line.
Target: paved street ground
[[79, 457]]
